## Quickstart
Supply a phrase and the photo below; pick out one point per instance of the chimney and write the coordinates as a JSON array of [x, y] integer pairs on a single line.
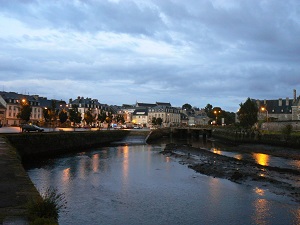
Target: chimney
[[287, 101], [295, 95], [280, 102]]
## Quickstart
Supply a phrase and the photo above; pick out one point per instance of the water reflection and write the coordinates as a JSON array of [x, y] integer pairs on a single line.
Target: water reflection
[[125, 152], [66, 175], [95, 162], [259, 191], [262, 212], [261, 159], [137, 185], [83, 167]]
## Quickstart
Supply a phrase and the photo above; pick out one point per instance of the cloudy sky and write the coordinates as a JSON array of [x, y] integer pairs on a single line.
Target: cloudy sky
[[122, 51]]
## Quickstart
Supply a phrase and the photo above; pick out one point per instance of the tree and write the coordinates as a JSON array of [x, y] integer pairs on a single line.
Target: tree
[[46, 114], [217, 113], [153, 121], [25, 111], [186, 106], [52, 113], [120, 119], [101, 117], [229, 117], [247, 113], [88, 117], [108, 119], [74, 115], [63, 116], [208, 109], [159, 121]]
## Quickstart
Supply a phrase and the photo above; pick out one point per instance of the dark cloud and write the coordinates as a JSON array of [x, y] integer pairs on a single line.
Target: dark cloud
[[200, 52]]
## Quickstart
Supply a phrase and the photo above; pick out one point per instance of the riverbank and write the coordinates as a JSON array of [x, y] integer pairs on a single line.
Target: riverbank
[[277, 180], [16, 187], [51, 144]]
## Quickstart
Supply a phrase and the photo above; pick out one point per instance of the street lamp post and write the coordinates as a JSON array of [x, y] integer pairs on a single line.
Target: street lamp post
[[216, 113], [265, 109]]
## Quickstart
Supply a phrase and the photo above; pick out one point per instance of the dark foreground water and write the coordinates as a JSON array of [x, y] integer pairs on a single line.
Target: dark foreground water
[[131, 185]]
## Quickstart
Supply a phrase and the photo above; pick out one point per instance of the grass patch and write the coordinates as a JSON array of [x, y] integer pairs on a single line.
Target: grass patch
[[46, 209]]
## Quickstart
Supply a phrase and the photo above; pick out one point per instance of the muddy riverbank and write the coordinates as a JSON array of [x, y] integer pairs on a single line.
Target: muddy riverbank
[[277, 180]]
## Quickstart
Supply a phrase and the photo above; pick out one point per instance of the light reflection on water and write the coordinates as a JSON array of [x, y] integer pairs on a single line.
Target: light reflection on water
[[137, 185], [260, 158]]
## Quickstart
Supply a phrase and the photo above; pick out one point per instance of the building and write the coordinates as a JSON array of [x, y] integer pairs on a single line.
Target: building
[[170, 115], [140, 117], [3, 106], [280, 109], [88, 104], [13, 108], [10, 107]]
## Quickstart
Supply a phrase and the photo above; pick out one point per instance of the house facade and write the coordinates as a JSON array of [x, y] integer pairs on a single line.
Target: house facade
[[88, 104], [279, 110], [140, 117], [170, 115], [3, 106], [10, 107], [13, 106]]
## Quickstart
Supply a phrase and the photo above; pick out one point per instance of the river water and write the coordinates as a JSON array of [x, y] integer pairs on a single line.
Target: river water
[[135, 184]]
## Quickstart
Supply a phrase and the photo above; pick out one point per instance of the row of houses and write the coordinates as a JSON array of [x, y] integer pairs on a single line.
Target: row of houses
[[287, 109], [138, 113]]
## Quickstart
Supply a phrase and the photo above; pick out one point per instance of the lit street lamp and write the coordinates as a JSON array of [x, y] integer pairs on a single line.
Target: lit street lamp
[[216, 113], [265, 109]]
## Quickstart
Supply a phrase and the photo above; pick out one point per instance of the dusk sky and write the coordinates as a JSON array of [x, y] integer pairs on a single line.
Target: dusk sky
[[122, 51]]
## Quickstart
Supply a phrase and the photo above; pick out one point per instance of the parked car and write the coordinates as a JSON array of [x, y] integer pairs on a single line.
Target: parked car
[[28, 128]]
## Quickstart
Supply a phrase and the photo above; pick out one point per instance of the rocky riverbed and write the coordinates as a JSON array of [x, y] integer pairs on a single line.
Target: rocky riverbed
[[277, 180]]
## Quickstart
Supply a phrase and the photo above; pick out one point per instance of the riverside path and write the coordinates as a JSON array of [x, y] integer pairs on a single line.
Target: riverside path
[[15, 186]]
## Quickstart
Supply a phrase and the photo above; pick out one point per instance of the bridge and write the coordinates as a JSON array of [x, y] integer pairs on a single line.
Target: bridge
[[191, 132]]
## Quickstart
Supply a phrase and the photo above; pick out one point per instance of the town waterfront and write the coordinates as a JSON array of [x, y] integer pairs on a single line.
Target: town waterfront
[[135, 184]]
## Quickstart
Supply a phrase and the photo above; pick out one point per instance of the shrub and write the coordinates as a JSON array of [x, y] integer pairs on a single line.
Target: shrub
[[46, 208]]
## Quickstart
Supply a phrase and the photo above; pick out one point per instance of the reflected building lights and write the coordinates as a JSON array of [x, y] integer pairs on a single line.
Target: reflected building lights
[[261, 159], [82, 168], [167, 159], [95, 162], [297, 215], [217, 151], [296, 163], [259, 191], [125, 164], [66, 175], [262, 211], [238, 156]]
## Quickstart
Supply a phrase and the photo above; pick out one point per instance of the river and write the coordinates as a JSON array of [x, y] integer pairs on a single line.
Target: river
[[135, 184]]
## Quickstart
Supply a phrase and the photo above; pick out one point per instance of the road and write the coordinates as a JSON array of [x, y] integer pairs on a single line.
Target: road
[[18, 130]]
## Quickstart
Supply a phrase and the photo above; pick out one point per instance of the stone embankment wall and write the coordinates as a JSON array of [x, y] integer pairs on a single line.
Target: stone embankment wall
[[157, 134], [238, 137], [51, 144], [277, 126]]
